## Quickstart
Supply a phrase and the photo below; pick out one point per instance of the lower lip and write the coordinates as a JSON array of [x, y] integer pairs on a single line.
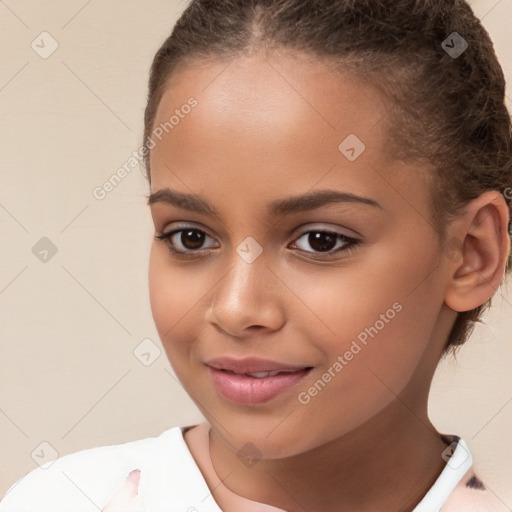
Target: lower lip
[[244, 389]]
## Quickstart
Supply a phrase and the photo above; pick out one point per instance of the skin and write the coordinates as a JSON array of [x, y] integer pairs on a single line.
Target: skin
[[266, 128]]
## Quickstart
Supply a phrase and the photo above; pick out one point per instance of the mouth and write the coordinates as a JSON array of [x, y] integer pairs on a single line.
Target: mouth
[[252, 365], [252, 388]]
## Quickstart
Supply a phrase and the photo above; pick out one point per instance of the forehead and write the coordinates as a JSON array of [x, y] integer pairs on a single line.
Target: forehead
[[268, 88], [268, 123]]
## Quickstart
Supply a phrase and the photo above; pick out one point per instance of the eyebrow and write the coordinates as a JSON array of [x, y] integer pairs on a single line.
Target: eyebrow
[[292, 204]]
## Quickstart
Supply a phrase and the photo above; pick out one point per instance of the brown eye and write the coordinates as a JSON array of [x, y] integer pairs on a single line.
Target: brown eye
[[192, 238], [185, 241], [322, 241]]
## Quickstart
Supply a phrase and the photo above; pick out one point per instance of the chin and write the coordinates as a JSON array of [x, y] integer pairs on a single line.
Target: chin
[[252, 440]]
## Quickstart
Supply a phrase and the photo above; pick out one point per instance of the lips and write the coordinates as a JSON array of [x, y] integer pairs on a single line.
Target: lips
[[253, 380]]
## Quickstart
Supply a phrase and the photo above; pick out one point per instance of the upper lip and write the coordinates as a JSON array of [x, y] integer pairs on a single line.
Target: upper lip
[[250, 365]]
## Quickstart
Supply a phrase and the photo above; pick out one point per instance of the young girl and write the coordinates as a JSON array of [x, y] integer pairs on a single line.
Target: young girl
[[330, 185]]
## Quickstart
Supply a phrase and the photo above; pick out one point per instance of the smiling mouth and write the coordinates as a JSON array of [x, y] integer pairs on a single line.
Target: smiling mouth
[[255, 387]]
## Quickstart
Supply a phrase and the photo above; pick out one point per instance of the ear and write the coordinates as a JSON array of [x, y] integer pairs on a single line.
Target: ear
[[484, 244]]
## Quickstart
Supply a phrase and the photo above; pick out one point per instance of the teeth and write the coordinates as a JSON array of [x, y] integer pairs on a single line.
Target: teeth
[[260, 375]]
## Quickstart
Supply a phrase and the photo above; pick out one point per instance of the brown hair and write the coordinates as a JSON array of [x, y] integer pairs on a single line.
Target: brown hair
[[449, 110]]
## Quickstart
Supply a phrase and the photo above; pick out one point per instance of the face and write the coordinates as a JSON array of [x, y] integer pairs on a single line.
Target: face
[[349, 287]]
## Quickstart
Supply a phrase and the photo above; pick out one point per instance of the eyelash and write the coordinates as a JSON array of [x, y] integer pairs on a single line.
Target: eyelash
[[350, 243]]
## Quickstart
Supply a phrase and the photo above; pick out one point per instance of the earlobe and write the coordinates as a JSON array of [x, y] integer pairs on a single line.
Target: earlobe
[[479, 269]]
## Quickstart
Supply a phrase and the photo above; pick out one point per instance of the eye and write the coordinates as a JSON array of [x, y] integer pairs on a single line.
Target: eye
[[188, 241], [185, 240], [323, 241]]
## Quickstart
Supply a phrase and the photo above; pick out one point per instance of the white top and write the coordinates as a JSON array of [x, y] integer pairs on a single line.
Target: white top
[[170, 479]]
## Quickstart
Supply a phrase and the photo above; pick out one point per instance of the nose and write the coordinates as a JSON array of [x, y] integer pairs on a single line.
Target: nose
[[247, 299]]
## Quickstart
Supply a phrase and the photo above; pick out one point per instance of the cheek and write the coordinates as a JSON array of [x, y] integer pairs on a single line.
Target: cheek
[[171, 294], [177, 297], [379, 314], [162, 292], [379, 355]]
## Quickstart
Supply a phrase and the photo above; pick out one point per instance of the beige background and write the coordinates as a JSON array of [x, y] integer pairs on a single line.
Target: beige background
[[68, 327]]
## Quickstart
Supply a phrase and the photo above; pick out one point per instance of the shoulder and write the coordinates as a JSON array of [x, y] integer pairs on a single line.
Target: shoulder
[[84, 480], [472, 495]]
